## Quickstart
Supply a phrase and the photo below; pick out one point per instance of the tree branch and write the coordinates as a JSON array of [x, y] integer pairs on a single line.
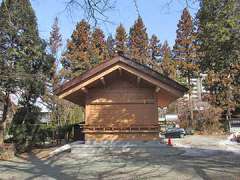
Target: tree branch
[[94, 10]]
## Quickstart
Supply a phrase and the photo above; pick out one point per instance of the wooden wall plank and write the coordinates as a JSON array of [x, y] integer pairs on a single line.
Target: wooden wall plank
[[121, 104]]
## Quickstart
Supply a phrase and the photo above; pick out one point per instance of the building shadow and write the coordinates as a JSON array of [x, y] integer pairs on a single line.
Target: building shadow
[[130, 161]]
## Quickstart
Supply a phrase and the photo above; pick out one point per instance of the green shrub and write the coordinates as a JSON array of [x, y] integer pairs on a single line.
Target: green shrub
[[27, 132], [24, 128]]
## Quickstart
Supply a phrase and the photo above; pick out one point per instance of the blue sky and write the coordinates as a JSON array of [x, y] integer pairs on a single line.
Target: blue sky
[[158, 18]]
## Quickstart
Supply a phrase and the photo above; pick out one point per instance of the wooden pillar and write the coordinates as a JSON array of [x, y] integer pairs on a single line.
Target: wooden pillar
[[103, 81]]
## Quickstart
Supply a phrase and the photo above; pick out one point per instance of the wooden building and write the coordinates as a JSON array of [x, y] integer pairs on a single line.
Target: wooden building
[[121, 99]]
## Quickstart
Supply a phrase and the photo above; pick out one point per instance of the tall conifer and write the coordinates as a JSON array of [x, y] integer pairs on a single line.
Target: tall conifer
[[154, 48], [138, 41], [22, 48], [110, 46], [218, 38], [62, 111], [121, 40], [185, 53], [55, 40], [24, 58], [8, 57], [76, 59], [99, 51], [167, 64]]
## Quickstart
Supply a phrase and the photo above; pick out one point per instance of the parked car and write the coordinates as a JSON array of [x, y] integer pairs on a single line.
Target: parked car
[[175, 133]]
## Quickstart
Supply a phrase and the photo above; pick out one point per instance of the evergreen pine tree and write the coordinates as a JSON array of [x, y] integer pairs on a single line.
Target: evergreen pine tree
[[76, 59], [185, 51], [110, 46], [185, 45], [23, 54], [167, 64], [62, 111], [154, 48], [55, 41], [121, 40], [21, 47], [7, 80], [99, 51], [138, 41], [218, 38], [8, 55]]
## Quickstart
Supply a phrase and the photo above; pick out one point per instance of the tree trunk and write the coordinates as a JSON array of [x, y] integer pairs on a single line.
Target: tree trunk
[[191, 111], [1, 134], [190, 103], [6, 104], [228, 118]]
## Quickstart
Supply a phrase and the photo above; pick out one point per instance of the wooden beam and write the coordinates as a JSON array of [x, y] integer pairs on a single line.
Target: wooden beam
[[103, 81], [84, 89], [138, 80], [164, 86], [95, 78], [157, 89], [120, 71]]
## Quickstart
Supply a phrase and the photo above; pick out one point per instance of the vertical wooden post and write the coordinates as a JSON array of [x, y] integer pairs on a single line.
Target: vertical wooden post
[[103, 81]]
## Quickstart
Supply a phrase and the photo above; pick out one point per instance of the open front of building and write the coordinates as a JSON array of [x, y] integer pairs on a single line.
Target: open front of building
[[121, 100]]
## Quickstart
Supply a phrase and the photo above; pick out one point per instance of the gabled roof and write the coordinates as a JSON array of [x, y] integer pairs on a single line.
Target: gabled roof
[[122, 60]]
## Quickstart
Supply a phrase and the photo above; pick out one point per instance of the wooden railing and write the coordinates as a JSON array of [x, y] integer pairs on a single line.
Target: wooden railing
[[121, 129]]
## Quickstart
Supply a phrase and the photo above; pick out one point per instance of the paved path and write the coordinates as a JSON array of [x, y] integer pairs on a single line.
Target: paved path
[[127, 161]]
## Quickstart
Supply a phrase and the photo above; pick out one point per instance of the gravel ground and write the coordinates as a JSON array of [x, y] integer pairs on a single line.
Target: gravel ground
[[208, 143], [194, 157]]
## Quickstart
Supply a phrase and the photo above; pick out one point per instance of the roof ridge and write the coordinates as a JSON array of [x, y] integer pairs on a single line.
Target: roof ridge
[[124, 59]]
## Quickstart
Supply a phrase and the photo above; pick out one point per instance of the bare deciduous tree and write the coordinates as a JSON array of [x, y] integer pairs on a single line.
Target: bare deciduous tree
[[94, 10]]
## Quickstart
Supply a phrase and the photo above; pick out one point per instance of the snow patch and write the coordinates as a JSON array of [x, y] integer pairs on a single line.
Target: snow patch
[[194, 152], [234, 150], [227, 142], [182, 145], [65, 148], [231, 146]]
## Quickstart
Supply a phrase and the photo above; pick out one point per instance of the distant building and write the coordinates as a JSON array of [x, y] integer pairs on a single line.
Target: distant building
[[44, 116], [198, 90], [197, 94]]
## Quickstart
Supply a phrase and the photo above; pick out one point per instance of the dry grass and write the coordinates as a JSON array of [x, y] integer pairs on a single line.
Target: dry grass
[[6, 152], [40, 153]]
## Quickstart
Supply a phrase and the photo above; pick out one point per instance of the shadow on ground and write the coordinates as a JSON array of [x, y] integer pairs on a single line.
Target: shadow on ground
[[127, 162]]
